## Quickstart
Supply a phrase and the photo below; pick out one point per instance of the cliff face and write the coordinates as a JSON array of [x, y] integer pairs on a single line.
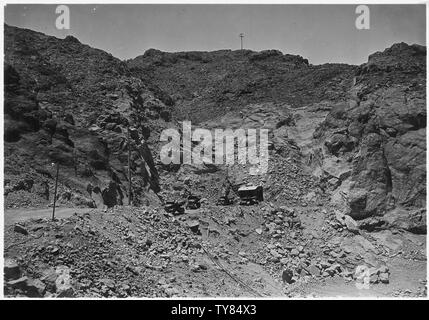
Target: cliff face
[[381, 130], [374, 115], [360, 129], [347, 156], [66, 102]]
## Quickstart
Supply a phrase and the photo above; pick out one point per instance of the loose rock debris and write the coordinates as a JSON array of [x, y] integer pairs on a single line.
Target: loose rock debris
[[343, 203]]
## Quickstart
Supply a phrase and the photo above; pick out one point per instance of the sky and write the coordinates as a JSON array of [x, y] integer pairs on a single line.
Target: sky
[[319, 33]]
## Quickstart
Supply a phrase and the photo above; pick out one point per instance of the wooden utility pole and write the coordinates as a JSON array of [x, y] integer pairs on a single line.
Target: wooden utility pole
[[55, 191], [129, 165], [241, 40]]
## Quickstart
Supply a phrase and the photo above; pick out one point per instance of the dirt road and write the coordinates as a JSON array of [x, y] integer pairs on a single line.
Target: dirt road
[[15, 215]]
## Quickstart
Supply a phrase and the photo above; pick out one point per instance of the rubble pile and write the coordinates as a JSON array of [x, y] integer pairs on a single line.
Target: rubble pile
[[342, 204]]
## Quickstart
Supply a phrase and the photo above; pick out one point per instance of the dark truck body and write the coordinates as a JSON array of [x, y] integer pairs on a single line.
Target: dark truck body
[[250, 195]]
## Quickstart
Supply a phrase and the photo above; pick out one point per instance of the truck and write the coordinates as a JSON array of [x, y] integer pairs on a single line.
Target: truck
[[250, 195]]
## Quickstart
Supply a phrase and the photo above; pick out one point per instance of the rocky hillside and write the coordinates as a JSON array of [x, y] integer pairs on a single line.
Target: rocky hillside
[[68, 103], [204, 85], [380, 132], [372, 118], [345, 187]]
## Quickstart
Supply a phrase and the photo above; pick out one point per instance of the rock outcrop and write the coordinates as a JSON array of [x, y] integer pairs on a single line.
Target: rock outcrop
[[68, 103], [381, 131], [344, 191]]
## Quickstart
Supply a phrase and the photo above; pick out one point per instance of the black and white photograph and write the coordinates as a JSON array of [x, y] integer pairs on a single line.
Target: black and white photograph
[[214, 150]]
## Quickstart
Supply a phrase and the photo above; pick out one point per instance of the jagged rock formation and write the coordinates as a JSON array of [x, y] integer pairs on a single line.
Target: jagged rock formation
[[344, 190], [373, 134], [66, 102], [69, 103], [381, 131]]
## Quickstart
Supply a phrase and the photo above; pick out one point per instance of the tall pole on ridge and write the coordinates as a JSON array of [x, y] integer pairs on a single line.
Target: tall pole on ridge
[[241, 40]]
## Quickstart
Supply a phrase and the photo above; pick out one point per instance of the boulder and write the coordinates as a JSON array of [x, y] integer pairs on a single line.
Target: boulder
[[194, 225], [347, 222], [49, 277], [30, 287], [383, 277], [35, 288], [12, 270], [294, 252], [63, 283], [351, 224], [20, 229], [20, 283], [287, 276], [314, 270]]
